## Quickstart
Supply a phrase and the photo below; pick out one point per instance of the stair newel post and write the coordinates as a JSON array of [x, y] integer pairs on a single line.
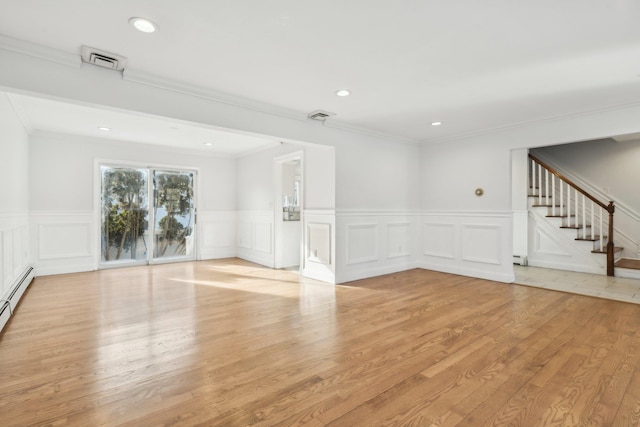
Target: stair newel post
[[610, 245]]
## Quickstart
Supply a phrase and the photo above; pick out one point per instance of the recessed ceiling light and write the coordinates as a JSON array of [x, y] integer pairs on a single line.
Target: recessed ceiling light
[[343, 92], [208, 144], [436, 123], [143, 25], [104, 129]]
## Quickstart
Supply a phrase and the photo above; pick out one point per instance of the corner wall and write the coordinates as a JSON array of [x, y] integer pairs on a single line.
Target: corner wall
[[15, 256]]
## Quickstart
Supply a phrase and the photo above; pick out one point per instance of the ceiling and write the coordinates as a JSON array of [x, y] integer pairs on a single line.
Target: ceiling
[[476, 66], [44, 115]]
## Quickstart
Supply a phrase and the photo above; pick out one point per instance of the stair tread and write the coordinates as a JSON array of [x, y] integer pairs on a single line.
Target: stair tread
[[630, 263], [560, 216], [544, 206], [616, 249], [590, 239], [575, 227]]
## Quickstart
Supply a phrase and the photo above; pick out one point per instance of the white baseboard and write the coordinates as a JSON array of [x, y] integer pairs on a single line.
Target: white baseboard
[[326, 277], [471, 272], [64, 269], [580, 268], [378, 271]]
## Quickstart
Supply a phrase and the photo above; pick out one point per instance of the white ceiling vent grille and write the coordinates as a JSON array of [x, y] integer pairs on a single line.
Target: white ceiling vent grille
[[98, 57], [320, 115]]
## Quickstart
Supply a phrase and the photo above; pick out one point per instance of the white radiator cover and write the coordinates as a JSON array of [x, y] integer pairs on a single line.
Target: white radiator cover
[[10, 302]]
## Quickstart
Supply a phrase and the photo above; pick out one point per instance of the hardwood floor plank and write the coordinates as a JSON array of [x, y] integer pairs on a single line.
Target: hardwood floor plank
[[229, 343]]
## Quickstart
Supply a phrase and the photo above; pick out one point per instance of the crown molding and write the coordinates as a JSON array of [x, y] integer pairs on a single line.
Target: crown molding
[[39, 51], [524, 124], [212, 95], [66, 137], [336, 124], [20, 113]]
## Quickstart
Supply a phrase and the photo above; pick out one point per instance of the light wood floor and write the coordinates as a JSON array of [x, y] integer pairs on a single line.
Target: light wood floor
[[229, 343]]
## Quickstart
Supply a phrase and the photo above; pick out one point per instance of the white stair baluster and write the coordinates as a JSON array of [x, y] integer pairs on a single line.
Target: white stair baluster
[[553, 195], [546, 186], [561, 197], [577, 212], [601, 230], [532, 177], [593, 223], [584, 218], [539, 185], [568, 205]]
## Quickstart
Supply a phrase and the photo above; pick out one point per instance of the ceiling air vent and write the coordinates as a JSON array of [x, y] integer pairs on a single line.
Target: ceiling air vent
[[320, 115], [98, 57]]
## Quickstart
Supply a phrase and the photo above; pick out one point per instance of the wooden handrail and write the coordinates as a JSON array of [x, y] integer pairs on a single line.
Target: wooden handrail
[[610, 208]]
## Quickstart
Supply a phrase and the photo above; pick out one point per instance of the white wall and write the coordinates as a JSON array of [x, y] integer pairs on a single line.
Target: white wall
[[62, 198], [15, 256]]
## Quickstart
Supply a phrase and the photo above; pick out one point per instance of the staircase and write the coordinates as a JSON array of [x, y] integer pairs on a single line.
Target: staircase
[[573, 209]]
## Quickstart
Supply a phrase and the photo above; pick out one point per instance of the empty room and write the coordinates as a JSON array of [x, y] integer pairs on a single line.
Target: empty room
[[345, 213]]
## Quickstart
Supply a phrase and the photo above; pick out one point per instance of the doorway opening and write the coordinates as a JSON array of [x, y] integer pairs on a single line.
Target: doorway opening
[[288, 210]]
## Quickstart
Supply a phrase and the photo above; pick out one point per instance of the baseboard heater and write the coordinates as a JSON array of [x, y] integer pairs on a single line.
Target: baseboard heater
[[8, 305], [520, 259]]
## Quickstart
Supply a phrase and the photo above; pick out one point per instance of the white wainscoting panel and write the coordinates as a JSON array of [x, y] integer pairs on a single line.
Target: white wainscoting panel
[[64, 242], [245, 234], [372, 243], [439, 239], [319, 259], [263, 236], [255, 237], [217, 234], [362, 243], [481, 243], [15, 256], [400, 239], [476, 244]]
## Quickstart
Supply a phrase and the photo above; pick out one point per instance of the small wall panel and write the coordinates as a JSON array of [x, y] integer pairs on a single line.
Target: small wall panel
[[16, 237], [64, 240], [263, 237], [399, 240], [362, 243], [319, 243], [245, 238], [481, 243], [545, 244], [217, 234], [438, 239]]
